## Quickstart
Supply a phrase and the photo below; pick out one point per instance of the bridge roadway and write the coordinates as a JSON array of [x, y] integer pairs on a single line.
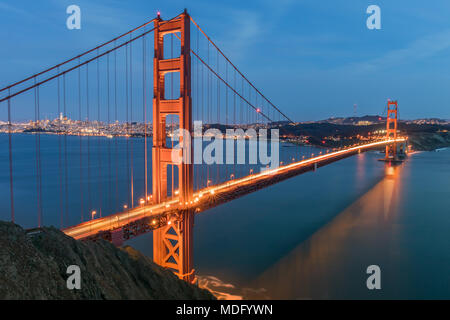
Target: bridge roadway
[[147, 217]]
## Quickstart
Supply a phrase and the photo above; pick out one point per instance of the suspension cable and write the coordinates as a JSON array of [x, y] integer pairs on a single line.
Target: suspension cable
[[83, 63], [209, 39], [77, 57]]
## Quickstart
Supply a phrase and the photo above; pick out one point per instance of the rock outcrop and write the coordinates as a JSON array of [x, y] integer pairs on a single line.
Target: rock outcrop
[[33, 265]]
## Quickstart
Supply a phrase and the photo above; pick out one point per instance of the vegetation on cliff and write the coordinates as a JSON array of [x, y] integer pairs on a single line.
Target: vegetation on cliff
[[34, 266]]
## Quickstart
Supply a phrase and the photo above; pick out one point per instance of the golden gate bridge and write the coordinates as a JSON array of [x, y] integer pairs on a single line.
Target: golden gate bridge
[[107, 90]]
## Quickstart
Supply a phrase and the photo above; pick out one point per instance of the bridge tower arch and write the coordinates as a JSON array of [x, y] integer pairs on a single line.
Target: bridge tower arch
[[172, 244]]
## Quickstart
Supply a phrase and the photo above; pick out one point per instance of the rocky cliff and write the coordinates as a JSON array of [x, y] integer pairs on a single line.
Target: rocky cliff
[[33, 266], [429, 141]]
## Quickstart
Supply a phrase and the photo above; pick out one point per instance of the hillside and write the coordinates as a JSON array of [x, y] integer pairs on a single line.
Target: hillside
[[422, 137], [33, 266]]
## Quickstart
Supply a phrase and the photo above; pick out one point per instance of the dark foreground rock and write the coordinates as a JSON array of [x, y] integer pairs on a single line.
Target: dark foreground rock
[[34, 265]]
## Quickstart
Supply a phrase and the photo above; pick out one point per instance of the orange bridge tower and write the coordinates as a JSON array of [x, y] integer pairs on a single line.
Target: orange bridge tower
[[391, 129], [172, 243]]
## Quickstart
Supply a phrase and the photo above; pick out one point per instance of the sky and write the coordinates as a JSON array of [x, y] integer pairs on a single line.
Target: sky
[[313, 59]]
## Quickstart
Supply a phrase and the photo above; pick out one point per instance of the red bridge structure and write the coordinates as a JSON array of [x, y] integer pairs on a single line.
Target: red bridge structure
[[101, 186]]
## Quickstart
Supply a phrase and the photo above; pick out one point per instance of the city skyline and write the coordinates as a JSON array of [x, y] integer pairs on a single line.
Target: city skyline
[[335, 62]]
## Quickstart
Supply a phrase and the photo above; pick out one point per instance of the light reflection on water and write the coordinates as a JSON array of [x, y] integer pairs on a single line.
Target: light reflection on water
[[328, 265], [400, 223]]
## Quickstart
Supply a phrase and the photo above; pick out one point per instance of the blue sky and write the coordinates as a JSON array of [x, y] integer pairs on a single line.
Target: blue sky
[[313, 59]]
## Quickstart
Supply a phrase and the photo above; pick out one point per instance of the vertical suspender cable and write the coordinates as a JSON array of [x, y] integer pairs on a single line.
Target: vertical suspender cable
[[37, 148], [127, 127], [99, 153], [109, 131], [66, 173], [81, 142], [88, 141], [218, 117], [171, 117], [197, 105], [116, 152], [11, 190], [131, 119], [61, 205], [202, 119], [144, 106]]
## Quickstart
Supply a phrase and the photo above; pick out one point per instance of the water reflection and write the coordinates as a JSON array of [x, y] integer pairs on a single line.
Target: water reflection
[[329, 264]]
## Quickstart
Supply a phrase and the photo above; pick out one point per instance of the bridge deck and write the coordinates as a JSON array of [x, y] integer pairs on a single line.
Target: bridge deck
[[145, 218]]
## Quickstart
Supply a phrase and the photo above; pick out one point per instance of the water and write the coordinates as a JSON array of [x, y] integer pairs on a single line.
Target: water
[[82, 175], [313, 236], [309, 237]]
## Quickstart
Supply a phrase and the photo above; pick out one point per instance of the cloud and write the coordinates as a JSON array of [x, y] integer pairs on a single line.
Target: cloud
[[248, 26], [7, 7], [245, 30], [418, 50]]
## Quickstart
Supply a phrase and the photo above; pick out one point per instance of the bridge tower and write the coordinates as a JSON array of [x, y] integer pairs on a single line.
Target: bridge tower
[[391, 129], [172, 244]]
